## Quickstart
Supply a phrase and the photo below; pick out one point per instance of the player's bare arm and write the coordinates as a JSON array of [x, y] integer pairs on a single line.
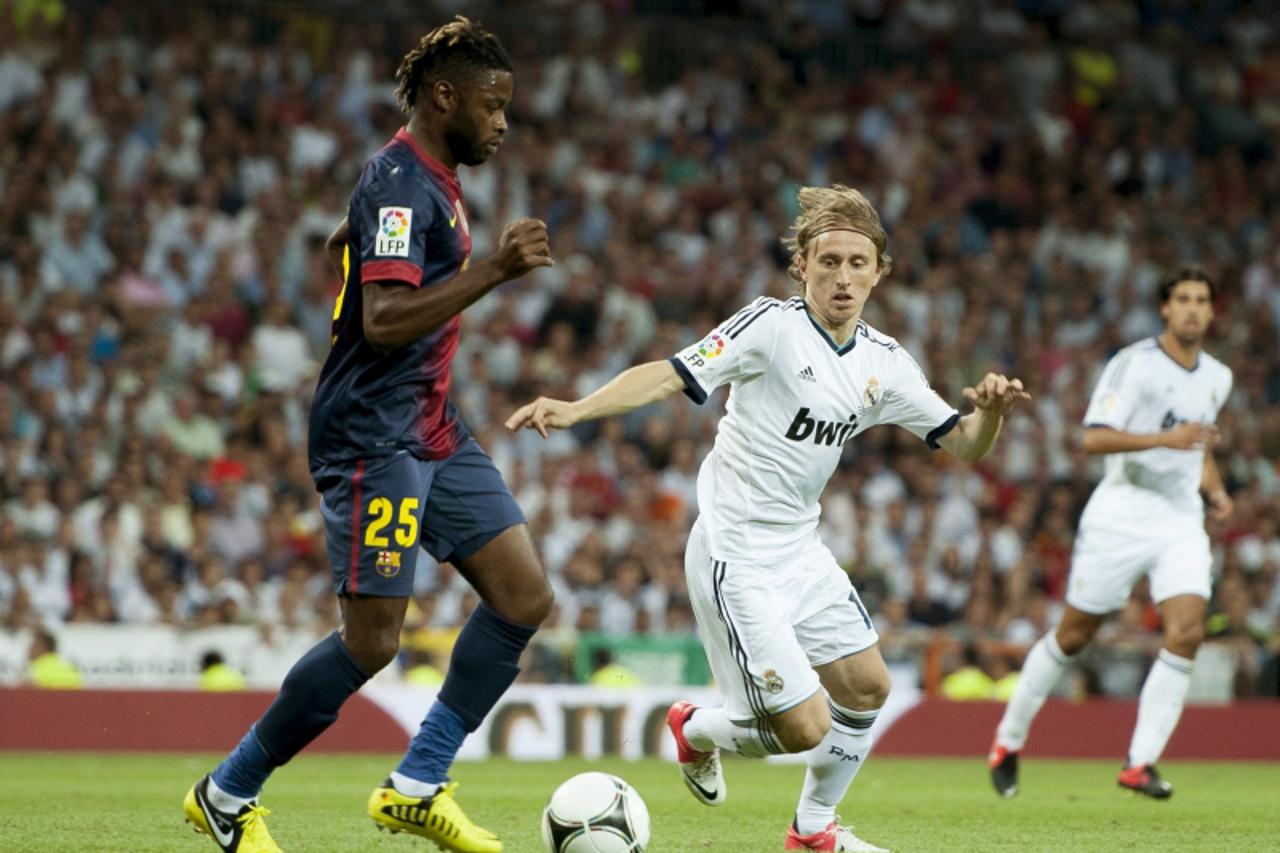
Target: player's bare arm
[[1220, 503], [976, 432], [335, 247], [394, 315], [631, 389], [1185, 436]]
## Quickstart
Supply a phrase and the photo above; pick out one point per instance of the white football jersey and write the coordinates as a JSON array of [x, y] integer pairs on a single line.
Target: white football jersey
[[795, 398], [1143, 390]]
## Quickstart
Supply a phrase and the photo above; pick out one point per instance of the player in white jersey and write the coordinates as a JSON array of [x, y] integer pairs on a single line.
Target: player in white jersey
[[790, 644], [1153, 414]]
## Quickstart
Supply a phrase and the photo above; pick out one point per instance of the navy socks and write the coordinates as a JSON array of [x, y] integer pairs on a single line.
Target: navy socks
[[485, 661], [307, 704]]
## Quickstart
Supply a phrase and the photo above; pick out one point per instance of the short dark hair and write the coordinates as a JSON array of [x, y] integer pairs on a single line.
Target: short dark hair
[[1185, 272], [459, 47]]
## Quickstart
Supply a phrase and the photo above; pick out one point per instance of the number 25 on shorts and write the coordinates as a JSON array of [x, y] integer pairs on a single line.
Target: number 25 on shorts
[[381, 513]]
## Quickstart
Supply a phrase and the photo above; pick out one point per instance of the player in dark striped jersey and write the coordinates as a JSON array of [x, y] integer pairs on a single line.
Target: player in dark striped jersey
[[394, 464]]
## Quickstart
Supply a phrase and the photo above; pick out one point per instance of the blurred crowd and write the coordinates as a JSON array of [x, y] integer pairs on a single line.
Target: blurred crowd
[[165, 298]]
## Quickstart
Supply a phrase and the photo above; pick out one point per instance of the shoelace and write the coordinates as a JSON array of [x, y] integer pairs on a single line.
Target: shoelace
[[704, 769], [452, 812], [254, 815]]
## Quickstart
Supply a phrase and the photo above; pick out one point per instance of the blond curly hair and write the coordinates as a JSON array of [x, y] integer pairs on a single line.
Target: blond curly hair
[[835, 208]]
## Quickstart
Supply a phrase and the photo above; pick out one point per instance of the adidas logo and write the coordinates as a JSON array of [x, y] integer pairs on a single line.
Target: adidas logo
[[807, 375]]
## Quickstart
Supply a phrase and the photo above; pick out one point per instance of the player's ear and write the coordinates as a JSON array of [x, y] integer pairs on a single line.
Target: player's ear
[[444, 97]]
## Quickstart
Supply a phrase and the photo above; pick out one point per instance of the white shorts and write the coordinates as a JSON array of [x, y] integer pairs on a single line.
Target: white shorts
[[1107, 563], [765, 627]]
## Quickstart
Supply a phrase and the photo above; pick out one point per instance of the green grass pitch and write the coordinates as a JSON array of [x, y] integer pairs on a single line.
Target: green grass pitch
[[86, 802]]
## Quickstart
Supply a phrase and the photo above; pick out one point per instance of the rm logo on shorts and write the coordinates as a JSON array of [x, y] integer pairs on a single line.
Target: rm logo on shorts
[[388, 564], [773, 681]]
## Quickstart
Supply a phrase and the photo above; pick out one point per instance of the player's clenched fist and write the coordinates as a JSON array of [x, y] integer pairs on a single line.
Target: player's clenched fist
[[542, 414], [1192, 435], [523, 246], [996, 393]]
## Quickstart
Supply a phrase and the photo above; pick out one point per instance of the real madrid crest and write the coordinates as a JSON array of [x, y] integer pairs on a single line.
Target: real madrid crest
[[872, 394]]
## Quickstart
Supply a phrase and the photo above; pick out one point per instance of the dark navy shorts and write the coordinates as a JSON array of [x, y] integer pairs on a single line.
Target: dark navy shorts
[[378, 510]]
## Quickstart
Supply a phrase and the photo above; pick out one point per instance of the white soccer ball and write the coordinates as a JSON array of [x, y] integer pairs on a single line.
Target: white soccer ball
[[595, 813]]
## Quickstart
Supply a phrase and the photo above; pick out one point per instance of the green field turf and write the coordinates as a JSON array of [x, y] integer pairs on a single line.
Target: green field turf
[[83, 802]]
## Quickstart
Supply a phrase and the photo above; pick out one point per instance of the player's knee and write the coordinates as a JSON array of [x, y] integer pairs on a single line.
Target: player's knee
[[374, 649], [1184, 639], [1073, 640], [803, 735], [874, 693], [531, 608]]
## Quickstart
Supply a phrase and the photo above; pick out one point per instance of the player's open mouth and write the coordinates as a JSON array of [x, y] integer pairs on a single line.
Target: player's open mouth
[[842, 299]]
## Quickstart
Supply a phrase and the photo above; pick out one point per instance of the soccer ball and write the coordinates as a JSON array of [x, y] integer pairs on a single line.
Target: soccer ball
[[595, 813]]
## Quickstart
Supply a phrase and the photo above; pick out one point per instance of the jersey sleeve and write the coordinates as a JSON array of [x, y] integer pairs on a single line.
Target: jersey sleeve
[[1117, 394], [1228, 379], [394, 216], [737, 349], [910, 402]]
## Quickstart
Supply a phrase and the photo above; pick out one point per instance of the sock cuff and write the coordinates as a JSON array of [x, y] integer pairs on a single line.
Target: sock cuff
[[448, 703], [349, 663], [1181, 664], [273, 760], [1055, 651], [486, 617], [858, 721]]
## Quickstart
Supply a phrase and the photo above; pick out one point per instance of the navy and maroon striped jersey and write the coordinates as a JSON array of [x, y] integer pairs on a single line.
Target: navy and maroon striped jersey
[[406, 227]]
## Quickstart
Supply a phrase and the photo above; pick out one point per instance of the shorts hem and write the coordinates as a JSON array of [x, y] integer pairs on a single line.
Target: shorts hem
[[746, 721], [1199, 593], [1094, 611], [844, 655], [468, 547], [342, 590]]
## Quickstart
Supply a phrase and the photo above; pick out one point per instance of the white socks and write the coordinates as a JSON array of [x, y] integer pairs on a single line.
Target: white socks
[[1044, 666], [1159, 707], [832, 766], [222, 801], [709, 728], [412, 787]]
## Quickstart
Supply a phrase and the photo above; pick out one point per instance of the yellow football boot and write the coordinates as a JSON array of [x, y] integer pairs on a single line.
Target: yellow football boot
[[243, 832], [437, 818]]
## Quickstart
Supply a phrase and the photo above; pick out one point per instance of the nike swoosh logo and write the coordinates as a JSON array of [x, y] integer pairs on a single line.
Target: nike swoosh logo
[[223, 831], [710, 795], [453, 220]]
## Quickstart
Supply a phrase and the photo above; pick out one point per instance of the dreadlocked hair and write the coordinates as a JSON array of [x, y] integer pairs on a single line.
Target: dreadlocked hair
[[836, 208], [459, 47]]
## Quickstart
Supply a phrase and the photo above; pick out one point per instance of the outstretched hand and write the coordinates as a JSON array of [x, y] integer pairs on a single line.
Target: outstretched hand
[[542, 414], [996, 394]]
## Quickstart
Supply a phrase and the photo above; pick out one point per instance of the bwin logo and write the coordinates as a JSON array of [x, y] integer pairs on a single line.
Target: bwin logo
[[823, 432]]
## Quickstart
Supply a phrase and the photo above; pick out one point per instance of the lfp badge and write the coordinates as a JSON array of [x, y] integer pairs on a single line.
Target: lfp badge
[[712, 346], [393, 231]]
